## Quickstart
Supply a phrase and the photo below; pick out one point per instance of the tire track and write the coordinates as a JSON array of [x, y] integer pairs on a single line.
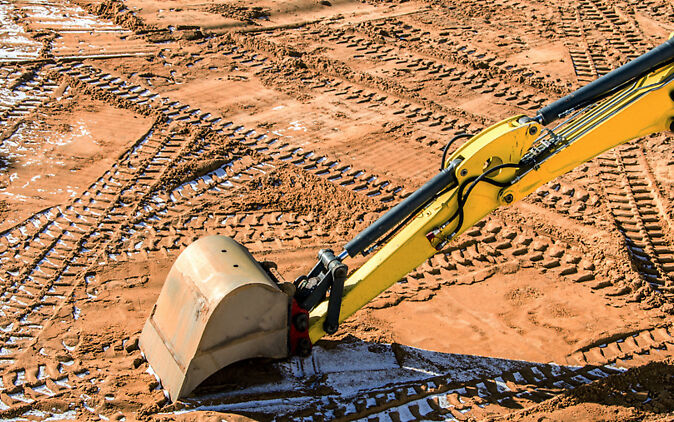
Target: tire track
[[436, 397], [344, 175], [622, 35], [451, 63], [47, 284], [657, 9], [637, 214], [501, 75], [629, 349], [21, 92], [376, 97], [587, 66], [569, 199], [441, 399], [618, 42]]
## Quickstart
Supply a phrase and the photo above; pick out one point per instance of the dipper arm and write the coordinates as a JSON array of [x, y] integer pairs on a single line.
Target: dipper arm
[[497, 167]]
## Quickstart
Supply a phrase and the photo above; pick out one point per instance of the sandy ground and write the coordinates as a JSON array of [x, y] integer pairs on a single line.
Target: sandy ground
[[131, 128]]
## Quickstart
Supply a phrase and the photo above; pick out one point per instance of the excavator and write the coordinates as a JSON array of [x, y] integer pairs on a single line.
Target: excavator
[[218, 305]]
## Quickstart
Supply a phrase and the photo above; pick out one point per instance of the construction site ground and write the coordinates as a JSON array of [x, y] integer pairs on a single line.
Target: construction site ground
[[131, 128]]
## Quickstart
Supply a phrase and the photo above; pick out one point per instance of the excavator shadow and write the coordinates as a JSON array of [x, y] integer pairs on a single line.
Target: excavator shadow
[[351, 378]]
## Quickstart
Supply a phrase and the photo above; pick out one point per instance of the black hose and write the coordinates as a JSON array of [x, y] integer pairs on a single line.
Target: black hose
[[473, 182], [461, 202], [444, 180], [451, 141]]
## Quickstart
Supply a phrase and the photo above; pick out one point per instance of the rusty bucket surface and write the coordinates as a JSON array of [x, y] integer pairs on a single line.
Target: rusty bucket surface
[[217, 306]]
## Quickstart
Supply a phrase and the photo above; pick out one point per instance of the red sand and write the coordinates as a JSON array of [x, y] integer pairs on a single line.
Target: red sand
[[130, 129]]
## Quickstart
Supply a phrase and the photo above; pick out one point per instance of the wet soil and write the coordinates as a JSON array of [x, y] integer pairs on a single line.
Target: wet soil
[[640, 394], [131, 128]]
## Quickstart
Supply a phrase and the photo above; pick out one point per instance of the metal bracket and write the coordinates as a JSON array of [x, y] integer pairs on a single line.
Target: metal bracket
[[329, 273], [541, 149]]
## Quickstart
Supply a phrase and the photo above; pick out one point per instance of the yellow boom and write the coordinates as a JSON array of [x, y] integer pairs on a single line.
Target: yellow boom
[[643, 107]]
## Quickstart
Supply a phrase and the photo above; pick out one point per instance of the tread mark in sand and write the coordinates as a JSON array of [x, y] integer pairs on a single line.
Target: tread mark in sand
[[636, 205]]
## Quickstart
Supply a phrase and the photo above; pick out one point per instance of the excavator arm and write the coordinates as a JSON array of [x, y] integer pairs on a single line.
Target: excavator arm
[[218, 305], [503, 164]]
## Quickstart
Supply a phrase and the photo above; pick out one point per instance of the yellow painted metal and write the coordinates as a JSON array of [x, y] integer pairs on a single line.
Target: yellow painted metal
[[410, 247], [642, 108]]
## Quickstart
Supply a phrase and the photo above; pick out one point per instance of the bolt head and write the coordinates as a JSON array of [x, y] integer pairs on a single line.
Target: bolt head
[[533, 130], [329, 328], [464, 172], [341, 272], [508, 198], [301, 322]]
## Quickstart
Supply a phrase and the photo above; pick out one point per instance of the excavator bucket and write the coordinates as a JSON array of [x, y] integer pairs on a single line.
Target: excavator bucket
[[217, 306]]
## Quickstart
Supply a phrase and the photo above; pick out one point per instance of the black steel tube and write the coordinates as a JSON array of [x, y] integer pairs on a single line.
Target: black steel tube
[[598, 88], [443, 180]]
